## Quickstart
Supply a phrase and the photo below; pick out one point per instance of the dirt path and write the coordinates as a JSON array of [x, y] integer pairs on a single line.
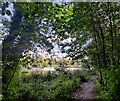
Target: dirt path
[[86, 90]]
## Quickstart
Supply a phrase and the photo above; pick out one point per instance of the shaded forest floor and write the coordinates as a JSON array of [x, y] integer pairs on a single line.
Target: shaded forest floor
[[86, 90]]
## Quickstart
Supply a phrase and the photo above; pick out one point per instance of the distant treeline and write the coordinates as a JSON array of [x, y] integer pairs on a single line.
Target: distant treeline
[[40, 61]]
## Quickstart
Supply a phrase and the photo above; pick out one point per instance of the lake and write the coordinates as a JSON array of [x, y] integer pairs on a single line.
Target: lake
[[50, 69]]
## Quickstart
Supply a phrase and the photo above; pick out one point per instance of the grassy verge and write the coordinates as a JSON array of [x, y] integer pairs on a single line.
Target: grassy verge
[[36, 86]]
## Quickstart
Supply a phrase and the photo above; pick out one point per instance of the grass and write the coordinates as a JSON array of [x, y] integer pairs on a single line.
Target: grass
[[48, 86]]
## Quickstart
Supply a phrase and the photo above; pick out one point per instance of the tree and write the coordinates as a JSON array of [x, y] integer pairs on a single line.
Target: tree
[[96, 33], [23, 36], [92, 27]]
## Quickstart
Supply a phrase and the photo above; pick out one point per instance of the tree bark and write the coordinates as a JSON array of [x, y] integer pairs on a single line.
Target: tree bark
[[111, 34], [97, 50], [103, 45]]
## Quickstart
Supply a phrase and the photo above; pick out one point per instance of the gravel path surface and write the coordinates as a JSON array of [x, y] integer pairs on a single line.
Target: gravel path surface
[[86, 90]]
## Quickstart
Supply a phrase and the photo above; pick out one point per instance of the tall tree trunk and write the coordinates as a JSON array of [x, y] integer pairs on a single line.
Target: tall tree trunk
[[111, 33], [98, 60], [103, 45], [100, 69], [97, 50], [12, 75]]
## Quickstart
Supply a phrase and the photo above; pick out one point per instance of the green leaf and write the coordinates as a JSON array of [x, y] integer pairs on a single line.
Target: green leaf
[[59, 30], [70, 7], [29, 16], [69, 12], [36, 15], [49, 9], [5, 4], [8, 12], [3, 13], [57, 15], [1, 96], [67, 20]]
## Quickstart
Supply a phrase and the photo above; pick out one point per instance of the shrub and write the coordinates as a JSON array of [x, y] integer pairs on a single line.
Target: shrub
[[51, 87]]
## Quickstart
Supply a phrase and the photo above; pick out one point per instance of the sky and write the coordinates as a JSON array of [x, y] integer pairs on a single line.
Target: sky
[[56, 50]]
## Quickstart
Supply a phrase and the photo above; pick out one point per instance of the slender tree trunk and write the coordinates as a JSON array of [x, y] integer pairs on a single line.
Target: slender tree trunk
[[98, 60], [118, 60], [8, 83], [111, 34], [103, 45], [97, 50]]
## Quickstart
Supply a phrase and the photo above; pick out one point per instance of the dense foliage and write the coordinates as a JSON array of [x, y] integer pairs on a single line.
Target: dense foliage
[[95, 32], [96, 28], [101, 25], [46, 86]]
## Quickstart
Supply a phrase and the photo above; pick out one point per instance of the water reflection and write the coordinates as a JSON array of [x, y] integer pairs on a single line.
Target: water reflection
[[50, 69]]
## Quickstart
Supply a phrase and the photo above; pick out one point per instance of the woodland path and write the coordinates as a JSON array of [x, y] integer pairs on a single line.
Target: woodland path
[[85, 92]]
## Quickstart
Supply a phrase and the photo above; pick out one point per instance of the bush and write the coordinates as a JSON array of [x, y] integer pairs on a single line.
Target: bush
[[1, 97], [110, 90], [51, 87]]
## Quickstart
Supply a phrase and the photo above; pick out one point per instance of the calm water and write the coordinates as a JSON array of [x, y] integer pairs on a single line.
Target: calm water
[[49, 69]]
